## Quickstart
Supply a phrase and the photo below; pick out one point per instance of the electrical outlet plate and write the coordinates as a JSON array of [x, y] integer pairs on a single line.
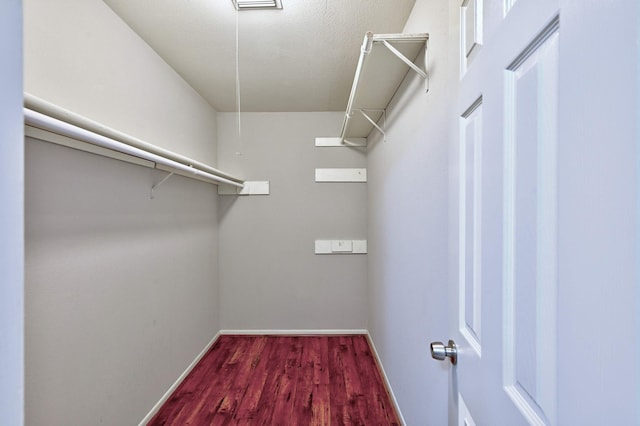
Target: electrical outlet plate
[[341, 246]]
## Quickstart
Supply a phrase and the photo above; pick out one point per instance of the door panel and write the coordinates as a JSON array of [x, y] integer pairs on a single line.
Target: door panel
[[470, 284], [530, 236], [464, 416], [547, 181], [506, 234], [471, 31]]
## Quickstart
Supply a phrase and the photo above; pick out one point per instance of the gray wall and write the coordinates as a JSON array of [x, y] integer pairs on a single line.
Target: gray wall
[[121, 291], [81, 56], [408, 222], [11, 216], [269, 275]]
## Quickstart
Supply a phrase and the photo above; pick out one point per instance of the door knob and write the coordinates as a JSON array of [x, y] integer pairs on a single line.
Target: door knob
[[440, 352]]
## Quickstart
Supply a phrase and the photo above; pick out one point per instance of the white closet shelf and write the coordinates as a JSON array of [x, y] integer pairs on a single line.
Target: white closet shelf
[[385, 60], [68, 127]]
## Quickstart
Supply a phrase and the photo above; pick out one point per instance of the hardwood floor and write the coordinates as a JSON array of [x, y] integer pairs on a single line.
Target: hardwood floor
[[282, 380]]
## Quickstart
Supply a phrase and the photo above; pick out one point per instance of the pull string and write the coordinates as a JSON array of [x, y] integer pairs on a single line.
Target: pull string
[[239, 118]]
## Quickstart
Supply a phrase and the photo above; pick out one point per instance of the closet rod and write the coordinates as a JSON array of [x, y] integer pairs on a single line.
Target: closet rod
[[45, 122], [48, 109]]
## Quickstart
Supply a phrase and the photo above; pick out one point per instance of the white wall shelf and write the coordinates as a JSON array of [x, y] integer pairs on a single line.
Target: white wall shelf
[[341, 175], [337, 142], [51, 123], [258, 187], [385, 60]]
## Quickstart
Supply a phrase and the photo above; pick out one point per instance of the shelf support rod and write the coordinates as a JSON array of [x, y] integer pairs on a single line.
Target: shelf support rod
[[426, 65], [370, 120], [404, 59], [164, 179], [365, 49]]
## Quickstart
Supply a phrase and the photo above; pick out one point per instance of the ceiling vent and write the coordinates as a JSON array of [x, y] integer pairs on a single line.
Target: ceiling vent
[[257, 4]]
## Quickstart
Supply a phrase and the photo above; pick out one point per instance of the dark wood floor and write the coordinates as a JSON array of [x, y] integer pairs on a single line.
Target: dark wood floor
[[282, 380]]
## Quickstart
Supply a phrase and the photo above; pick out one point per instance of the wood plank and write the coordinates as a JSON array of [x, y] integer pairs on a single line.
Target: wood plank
[[287, 382], [246, 363], [380, 403], [304, 395], [186, 393], [337, 388], [282, 380], [275, 368], [219, 403], [211, 392], [353, 387], [321, 404], [248, 409]]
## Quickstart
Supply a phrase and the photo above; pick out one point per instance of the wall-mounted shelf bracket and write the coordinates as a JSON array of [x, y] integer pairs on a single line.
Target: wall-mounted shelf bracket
[[403, 58], [260, 187], [336, 142], [164, 179], [384, 121], [385, 60], [341, 175]]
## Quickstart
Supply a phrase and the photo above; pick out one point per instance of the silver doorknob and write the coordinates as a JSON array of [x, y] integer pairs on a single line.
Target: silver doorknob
[[440, 352]]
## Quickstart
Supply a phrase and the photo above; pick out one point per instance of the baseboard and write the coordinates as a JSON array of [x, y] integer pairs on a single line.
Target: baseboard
[[175, 385], [295, 332], [385, 378]]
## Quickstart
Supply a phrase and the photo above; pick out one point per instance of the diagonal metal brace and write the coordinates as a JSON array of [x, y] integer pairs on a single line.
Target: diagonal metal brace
[[370, 120], [164, 179], [404, 59]]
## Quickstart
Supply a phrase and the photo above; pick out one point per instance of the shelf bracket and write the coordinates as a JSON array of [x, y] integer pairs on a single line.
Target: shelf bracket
[[404, 59], [420, 72], [370, 120], [164, 179], [408, 48]]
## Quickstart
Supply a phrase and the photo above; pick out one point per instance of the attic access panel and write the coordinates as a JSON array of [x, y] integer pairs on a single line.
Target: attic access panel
[[380, 72]]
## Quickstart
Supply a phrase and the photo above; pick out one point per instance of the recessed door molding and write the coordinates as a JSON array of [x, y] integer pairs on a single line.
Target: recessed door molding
[[530, 228]]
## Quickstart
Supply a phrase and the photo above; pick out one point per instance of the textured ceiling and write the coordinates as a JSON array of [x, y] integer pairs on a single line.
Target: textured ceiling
[[300, 58]]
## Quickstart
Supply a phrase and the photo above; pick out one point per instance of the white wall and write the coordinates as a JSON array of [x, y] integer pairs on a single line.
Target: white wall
[[269, 275], [11, 216], [121, 290], [81, 56], [408, 228]]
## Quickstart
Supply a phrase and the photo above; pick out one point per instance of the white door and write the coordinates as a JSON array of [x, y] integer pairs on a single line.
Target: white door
[[545, 257], [11, 216]]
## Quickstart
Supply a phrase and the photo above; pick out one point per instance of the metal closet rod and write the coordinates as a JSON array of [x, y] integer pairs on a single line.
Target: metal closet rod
[[47, 116]]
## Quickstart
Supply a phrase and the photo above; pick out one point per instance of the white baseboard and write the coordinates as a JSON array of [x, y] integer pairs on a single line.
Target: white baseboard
[[386, 379], [175, 385], [295, 332]]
